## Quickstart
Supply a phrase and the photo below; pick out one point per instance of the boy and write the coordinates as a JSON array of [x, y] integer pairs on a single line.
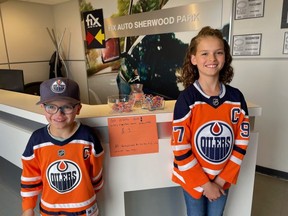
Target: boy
[[63, 160]]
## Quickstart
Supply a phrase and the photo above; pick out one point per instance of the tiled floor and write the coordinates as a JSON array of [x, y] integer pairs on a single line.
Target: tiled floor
[[270, 193], [270, 196], [10, 200]]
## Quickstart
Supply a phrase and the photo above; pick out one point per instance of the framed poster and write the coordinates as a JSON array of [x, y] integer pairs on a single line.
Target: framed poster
[[285, 44], [245, 9], [138, 36], [246, 45]]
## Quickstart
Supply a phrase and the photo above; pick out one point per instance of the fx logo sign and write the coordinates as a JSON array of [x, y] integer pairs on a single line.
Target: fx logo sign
[[94, 29], [91, 21]]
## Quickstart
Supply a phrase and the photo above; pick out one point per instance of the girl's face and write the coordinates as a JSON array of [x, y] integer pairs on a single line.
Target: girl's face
[[60, 120], [209, 57]]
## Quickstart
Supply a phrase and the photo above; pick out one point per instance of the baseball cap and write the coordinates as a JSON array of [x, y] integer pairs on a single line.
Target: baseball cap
[[59, 88]]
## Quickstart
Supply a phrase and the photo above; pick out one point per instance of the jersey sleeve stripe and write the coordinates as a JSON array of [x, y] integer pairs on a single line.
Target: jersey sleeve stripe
[[98, 187], [181, 147], [178, 176], [98, 176], [240, 150], [30, 179], [241, 142], [211, 172], [184, 156], [199, 189], [188, 165], [98, 181], [236, 160], [31, 186], [30, 194]]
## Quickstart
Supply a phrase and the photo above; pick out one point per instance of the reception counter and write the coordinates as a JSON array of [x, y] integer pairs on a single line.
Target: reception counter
[[138, 184]]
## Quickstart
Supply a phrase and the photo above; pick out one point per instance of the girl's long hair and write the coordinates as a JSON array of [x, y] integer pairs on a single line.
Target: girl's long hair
[[190, 73]]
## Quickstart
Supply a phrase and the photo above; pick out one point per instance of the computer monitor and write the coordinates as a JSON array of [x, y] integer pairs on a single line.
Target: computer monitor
[[12, 79]]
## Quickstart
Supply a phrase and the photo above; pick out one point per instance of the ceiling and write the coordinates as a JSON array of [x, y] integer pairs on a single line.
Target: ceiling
[[48, 2]]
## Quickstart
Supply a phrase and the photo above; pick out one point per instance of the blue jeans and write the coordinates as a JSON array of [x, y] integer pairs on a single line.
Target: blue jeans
[[203, 207]]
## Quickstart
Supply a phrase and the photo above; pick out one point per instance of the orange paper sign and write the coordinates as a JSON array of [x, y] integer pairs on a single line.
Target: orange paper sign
[[133, 135]]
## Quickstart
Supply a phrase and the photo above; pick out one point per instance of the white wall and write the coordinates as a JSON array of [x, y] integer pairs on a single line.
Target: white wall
[[263, 80], [67, 16], [3, 53], [30, 46]]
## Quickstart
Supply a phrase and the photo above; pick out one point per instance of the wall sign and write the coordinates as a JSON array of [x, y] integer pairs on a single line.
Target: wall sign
[[246, 45], [176, 19], [245, 9], [285, 45], [284, 20], [94, 29]]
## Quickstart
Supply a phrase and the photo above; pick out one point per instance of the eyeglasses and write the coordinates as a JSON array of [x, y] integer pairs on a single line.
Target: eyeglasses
[[66, 109]]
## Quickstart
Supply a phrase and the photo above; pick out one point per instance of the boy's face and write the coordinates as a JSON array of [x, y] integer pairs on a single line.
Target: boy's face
[[64, 116]]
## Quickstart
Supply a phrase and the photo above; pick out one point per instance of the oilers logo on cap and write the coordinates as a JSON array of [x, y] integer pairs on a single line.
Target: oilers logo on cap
[[214, 141], [58, 87]]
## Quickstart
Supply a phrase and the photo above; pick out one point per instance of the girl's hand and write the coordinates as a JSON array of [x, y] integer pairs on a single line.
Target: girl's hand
[[212, 191], [219, 181]]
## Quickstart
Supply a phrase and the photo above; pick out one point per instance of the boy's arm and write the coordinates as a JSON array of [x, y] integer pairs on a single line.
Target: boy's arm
[[29, 203], [28, 212], [31, 181], [97, 158]]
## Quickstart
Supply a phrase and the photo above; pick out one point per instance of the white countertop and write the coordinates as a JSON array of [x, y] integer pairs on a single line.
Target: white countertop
[[24, 106]]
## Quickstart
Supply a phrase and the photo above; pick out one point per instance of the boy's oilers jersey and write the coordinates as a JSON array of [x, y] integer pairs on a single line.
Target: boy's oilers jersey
[[67, 173], [210, 137]]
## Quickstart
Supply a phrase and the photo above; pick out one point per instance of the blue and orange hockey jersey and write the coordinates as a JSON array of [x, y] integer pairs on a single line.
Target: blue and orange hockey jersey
[[210, 137], [66, 173]]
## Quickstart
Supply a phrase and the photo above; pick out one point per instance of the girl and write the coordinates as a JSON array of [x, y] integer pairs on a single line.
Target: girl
[[210, 126]]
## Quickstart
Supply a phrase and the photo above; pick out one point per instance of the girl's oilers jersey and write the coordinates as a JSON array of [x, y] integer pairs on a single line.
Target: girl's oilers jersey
[[210, 137], [67, 173]]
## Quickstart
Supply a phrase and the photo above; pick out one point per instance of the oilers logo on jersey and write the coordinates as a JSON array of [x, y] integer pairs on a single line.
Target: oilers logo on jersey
[[63, 176], [214, 141]]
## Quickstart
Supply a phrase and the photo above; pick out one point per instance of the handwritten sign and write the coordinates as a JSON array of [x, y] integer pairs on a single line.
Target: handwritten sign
[[133, 135]]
